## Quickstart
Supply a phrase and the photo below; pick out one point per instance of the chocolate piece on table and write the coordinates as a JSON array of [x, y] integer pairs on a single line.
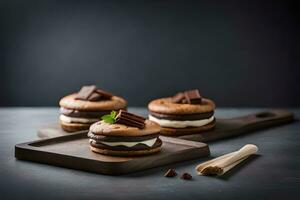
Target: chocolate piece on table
[[192, 97], [170, 173], [186, 176], [85, 92], [178, 98], [130, 119]]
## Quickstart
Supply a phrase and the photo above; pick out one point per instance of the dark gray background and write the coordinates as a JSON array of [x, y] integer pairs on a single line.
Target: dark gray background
[[239, 53]]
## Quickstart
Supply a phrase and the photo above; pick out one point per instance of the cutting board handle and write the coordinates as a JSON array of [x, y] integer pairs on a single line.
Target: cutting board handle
[[266, 118], [244, 124]]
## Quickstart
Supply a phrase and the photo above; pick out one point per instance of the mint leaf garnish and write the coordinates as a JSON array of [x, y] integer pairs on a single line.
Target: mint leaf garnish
[[113, 114], [110, 119]]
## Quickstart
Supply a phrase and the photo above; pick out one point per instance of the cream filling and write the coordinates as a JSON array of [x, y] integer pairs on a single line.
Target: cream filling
[[77, 119], [149, 143], [181, 124]]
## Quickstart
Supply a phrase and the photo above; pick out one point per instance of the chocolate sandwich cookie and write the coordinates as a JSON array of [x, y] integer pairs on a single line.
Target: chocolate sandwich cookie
[[79, 110], [183, 114], [125, 134]]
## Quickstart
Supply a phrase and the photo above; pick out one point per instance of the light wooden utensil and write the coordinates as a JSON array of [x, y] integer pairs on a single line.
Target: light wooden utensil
[[201, 166], [222, 164]]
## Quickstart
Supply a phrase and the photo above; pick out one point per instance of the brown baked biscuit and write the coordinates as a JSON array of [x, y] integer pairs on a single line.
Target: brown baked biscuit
[[186, 131], [115, 103], [102, 128], [73, 127], [125, 153], [166, 106]]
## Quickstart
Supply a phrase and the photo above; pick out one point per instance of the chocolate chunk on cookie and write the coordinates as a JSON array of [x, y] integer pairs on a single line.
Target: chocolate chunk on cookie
[[85, 92], [192, 97], [130, 119]]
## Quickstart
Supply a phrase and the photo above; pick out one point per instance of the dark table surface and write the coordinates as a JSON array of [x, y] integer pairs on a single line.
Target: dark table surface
[[275, 173]]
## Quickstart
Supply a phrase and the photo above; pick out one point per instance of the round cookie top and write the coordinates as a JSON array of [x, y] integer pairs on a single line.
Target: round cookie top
[[115, 103], [166, 106], [106, 129]]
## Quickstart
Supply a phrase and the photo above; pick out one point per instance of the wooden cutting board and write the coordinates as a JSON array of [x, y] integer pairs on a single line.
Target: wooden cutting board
[[224, 127], [72, 151]]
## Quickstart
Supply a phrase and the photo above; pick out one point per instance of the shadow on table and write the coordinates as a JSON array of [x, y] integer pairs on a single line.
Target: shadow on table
[[180, 168]]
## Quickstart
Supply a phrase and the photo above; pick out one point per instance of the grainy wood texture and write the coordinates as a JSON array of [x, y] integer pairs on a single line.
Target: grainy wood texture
[[224, 127], [72, 151], [240, 125], [53, 130]]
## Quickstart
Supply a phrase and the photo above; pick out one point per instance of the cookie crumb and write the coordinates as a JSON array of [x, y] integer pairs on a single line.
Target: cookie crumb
[[170, 173], [186, 176]]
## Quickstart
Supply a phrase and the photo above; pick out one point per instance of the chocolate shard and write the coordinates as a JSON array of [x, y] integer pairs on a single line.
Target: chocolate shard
[[94, 97], [188, 97], [92, 93], [178, 98], [104, 94], [170, 173], [192, 97], [85, 92], [186, 176], [130, 119]]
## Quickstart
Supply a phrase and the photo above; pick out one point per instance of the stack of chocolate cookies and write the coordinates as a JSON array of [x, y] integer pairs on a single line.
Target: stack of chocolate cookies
[[124, 134], [183, 114], [80, 110]]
